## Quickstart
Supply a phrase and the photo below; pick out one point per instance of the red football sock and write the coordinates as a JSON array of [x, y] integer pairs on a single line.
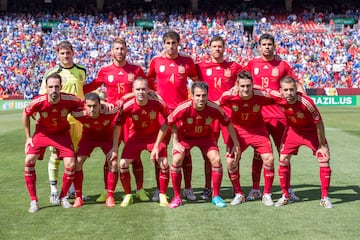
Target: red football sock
[[112, 179], [325, 175], [164, 180], [234, 176], [283, 177], [78, 182], [125, 180], [175, 173], [138, 172], [256, 170], [268, 179], [30, 180], [67, 180], [216, 174], [187, 170]]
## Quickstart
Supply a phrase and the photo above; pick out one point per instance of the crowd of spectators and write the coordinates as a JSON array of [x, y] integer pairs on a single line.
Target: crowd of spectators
[[322, 58]]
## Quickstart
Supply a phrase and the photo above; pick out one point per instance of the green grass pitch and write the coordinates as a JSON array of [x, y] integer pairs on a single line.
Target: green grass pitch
[[197, 220]]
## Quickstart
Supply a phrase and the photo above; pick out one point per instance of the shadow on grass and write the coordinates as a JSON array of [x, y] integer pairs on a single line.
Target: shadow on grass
[[306, 192]]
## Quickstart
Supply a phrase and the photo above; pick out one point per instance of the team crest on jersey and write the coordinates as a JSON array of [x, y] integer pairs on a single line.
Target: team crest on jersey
[[208, 121], [111, 78], [135, 117], [64, 112], [235, 108], [256, 108], [189, 120], [152, 115], [106, 122], [87, 125], [44, 114], [300, 115], [227, 72], [131, 77], [275, 72], [208, 72], [256, 71], [80, 77], [162, 68], [181, 69]]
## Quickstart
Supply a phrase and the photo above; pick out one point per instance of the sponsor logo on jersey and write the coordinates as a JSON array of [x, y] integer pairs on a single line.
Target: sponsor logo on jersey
[[189, 120], [120, 73], [162, 68], [256, 71], [106, 122], [111, 78], [87, 125]]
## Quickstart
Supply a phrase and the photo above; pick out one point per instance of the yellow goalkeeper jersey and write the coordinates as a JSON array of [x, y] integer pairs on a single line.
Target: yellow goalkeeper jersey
[[73, 79]]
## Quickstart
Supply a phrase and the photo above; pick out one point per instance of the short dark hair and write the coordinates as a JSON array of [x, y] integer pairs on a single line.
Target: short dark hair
[[64, 45], [217, 39], [244, 75], [92, 96], [201, 85], [53, 75], [287, 79], [266, 36], [171, 34]]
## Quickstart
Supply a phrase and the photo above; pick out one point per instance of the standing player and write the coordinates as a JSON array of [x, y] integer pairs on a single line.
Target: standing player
[[118, 78], [73, 79], [52, 129], [266, 71], [170, 73], [192, 125], [220, 76], [305, 127], [143, 113], [245, 114], [98, 122]]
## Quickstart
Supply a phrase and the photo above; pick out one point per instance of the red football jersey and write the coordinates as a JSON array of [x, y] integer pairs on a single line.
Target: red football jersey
[[197, 124], [170, 78], [53, 117], [144, 120], [100, 128], [267, 74], [303, 115], [243, 113], [117, 80], [219, 76]]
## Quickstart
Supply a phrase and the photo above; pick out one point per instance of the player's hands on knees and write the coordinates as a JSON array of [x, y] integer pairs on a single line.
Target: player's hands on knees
[[28, 143], [323, 152], [177, 147], [112, 155], [154, 155], [236, 152]]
